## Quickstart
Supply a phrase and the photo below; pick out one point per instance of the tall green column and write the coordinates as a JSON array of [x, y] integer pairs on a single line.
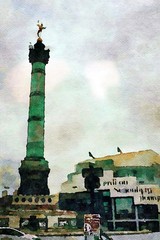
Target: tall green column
[[35, 141], [34, 168]]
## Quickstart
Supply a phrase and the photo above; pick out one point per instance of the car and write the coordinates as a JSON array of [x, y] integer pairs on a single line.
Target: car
[[12, 233]]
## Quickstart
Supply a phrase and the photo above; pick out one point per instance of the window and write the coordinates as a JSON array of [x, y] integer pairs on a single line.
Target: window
[[152, 226], [37, 199], [148, 211], [124, 208], [106, 193], [16, 199], [30, 199], [125, 226], [43, 200], [23, 199], [4, 222]]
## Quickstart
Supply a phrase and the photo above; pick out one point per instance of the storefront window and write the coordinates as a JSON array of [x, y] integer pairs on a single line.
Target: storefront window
[[152, 226], [126, 226], [148, 211], [124, 208]]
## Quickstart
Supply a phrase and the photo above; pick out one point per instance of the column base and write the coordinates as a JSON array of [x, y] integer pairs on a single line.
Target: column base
[[34, 177]]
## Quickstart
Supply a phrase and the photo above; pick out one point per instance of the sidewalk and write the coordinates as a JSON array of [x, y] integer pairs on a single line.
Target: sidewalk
[[79, 232]]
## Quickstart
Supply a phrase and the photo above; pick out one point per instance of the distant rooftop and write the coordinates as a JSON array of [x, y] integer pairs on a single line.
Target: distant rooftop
[[140, 158]]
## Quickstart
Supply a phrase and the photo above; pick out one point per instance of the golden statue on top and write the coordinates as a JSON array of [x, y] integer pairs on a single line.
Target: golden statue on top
[[40, 26]]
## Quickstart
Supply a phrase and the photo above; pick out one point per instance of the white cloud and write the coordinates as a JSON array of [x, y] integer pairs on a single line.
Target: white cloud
[[56, 71], [143, 2], [19, 78], [101, 75], [18, 82], [7, 13]]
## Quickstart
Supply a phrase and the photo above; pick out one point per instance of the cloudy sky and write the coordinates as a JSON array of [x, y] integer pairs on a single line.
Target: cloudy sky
[[102, 80]]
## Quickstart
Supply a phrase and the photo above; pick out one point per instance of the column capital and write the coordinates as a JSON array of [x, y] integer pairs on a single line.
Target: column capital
[[38, 53]]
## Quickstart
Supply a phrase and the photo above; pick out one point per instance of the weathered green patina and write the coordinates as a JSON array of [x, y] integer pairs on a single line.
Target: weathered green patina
[[35, 141], [34, 168]]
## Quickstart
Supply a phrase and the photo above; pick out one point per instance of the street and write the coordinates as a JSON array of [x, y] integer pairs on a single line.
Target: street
[[149, 236]]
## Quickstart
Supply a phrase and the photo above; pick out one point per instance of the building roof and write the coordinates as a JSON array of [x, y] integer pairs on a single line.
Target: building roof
[[140, 158]]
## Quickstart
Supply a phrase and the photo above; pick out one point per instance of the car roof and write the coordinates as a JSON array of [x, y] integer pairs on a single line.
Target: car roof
[[10, 228], [15, 230]]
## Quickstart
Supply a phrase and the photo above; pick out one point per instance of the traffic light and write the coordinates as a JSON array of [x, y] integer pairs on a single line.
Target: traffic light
[[91, 182], [91, 176]]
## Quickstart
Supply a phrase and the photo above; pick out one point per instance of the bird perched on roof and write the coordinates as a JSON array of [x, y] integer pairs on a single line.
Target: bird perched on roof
[[90, 154], [119, 150]]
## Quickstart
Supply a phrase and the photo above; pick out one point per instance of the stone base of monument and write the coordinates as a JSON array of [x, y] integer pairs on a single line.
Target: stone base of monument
[[36, 213], [34, 177], [36, 200]]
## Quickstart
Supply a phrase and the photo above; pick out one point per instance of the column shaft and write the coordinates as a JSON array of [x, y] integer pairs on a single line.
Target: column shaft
[[35, 140]]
